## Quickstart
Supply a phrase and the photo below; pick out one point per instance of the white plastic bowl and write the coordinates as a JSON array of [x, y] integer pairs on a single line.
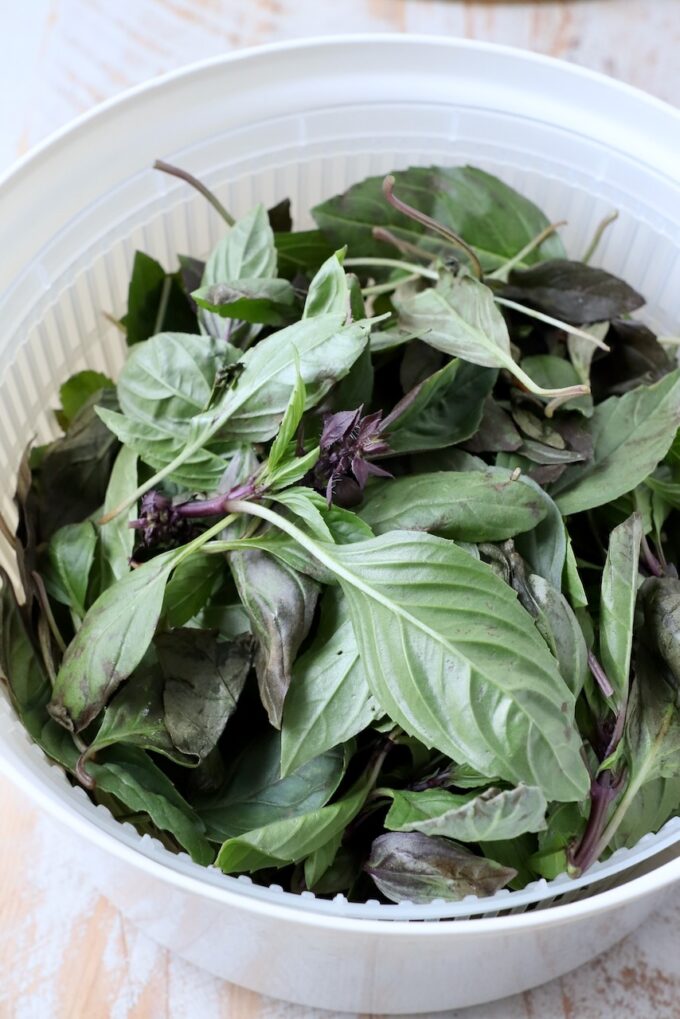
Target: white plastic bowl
[[305, 120]]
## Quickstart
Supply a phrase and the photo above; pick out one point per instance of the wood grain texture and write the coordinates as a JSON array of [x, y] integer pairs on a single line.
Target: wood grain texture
[[65, 953]]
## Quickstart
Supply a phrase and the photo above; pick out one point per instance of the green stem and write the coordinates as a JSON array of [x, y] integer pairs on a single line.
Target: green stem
[[162, 306], [549, 320], [501, 273], [385, 288], [598, 235], [394, 263], [195, 183]]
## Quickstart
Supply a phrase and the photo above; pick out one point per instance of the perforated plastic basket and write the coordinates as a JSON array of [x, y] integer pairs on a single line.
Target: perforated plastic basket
[[304, 121]]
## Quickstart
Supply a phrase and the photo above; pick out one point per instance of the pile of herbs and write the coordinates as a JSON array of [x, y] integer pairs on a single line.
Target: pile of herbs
[[361, 576]]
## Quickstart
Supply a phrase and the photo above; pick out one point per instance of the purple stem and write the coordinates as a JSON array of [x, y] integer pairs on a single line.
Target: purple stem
[[650, 560], [599, 675], [602, 792]]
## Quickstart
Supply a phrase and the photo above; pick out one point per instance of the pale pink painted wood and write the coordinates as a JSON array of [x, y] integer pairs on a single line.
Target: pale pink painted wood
[[65, 953]]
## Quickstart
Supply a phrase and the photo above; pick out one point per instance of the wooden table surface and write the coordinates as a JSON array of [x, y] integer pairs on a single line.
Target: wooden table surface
[[65, 953]]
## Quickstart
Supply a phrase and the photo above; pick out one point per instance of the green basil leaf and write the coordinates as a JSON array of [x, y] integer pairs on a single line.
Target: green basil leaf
[[460, 317], [247, 251], [661, 607], [328, 701], [168, 378], [652, 733], [571, 580], [631, 435], [116, 538], [489, 505], [496, 432], [487, 816], [156, 301], [654, 804], [158, 446], [444, 409], [190, 587], [301, 251], [111, 643], [254, 795], [75, 469], [617, 603], [420, 868], [550, 372], [127, 773], [280, 603], [492, 217], [291, 838], [289, 425], [432, 626], [561, 631], [204, 678], [258, 301], [71, 553], [320, 349], [78, 389], [328, 292], [28, 685], [573, 291], [136, 716]]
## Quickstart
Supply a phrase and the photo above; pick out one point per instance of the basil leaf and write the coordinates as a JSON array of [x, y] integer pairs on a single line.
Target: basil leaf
[[561, 631], [77, 390], [257, 301], [430, 623], [419, 868], [328, 292], [280, 603], [111, 643], [328, 701], [289, 425], [487, 816], [489, 505], [156, 301], [320, 349], [204, 679], [496, 432], [75, 469], [129, 774], [135, 716], [444, 409], [550, 372], [571, 580], [168, 378], [71, 553], [190, 586], [652, 733], [116, 538], [292, 838], [654, 804], [254, 795], [617, 603], [158, 446], [28, 685], [661, 606], [631, 434], [247, 251], [573, 291], [492, 217], [301, 251]]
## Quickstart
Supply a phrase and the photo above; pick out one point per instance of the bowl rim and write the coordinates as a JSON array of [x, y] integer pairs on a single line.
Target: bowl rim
[[66, 813], [62, 134]]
